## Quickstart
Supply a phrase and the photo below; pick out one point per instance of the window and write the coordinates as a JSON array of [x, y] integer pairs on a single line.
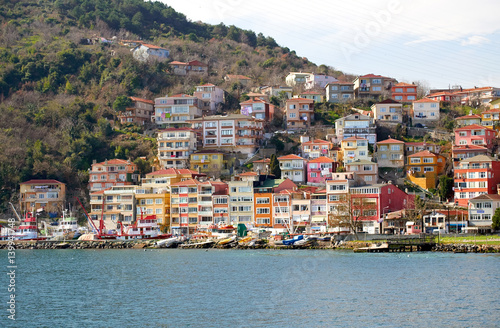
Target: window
[[395, 147], [383, 109], [428, 169], [334, 88], [368, 178], [262, 200], [263, 210], [376, 81], [414, 160], [411, 97], [293, 115], [244, 189], [346, 96], [314, 174], [428, 160], [398, 97], [376, 89], [158, 201], [383, 148]]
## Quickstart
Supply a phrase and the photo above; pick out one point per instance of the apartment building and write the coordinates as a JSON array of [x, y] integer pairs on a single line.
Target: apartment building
[[175, 145], [293, 167], [139, 112], [115, 205], [481, 211], [425, 110], [320, 169], [315, 148], [210, 95], [476, 176], [210, 162], [241, 202], [113, 172], [471, 119], [373, 86], [356, 125], [491, 118], [366, 170], [354, 148], [404, 92], [415, 147], [258, 108], [391, 153], [233, 132], [42, 194], [424, 168], [339, 91], [175, 111], [299, 113], [388, 110]]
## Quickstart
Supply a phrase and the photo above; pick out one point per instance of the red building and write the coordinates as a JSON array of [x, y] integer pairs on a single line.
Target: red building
[[476, 176], [371, 203], [404, 92]]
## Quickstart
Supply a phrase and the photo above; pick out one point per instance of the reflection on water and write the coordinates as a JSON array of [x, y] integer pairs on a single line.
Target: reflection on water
[[254, 288]]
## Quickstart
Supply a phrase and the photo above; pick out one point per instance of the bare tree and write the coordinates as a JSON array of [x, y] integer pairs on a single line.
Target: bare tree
[[351, 211]]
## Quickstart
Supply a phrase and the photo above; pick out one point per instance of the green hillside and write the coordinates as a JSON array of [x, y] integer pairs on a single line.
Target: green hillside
[[57, 94]]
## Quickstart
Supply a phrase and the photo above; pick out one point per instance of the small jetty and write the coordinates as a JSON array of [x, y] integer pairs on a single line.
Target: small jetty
[[403, 244]]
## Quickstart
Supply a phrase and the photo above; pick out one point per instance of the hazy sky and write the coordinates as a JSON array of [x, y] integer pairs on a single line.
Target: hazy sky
[[441, 42]]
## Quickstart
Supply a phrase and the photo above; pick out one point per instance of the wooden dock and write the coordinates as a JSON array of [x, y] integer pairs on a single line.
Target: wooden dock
[[403, 244]]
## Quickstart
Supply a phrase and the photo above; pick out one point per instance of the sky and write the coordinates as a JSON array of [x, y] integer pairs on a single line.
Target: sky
[[441, 43]]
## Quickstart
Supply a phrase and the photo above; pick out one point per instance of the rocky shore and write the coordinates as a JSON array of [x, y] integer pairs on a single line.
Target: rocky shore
[[140, 244]]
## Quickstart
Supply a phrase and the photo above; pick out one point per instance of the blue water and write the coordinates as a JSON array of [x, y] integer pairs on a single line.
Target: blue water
[[252, 288]]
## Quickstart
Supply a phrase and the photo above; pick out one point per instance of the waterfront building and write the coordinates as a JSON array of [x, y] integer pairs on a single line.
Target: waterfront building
[[241, 202], [38, 195], [114, 205], [481, 211], [113, 172], [175, 145]]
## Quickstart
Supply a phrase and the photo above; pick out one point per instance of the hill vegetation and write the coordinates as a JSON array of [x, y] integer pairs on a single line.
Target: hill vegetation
[[57, 94]]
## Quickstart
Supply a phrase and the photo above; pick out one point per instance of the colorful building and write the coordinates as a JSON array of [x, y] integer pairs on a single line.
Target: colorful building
[[354, 148], [210, 95], [37, 195], [490, 118], [293, 167], [424, 168], [339, 91], [475, 176], [315, 148], [404, 92], [258, 108], [320, 169], [356, 125], [391, 153], [425, 110], [415, 147], [366, 170], [113, 172], [468, 120], [476, 135], [174, 147], [373, 86], [481, 211], [299, 113], [210, 162], [241, 200]]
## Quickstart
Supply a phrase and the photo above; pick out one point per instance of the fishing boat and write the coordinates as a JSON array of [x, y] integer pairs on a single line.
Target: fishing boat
[[290, 242], [227, 240], [67, 227], [27, 229], [143, 228]]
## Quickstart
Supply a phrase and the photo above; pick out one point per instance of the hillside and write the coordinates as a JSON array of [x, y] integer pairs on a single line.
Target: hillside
[[56, 110]]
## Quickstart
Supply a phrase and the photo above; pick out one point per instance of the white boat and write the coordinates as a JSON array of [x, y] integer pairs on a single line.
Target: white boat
[[168, 243], [66, 225]]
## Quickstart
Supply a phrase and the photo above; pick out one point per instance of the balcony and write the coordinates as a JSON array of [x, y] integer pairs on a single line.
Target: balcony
[[161, 138], [359, 130], [205, 213]]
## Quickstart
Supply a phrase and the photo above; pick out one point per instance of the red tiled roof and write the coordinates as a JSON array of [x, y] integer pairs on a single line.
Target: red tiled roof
[[152, 46], [423, 153], [311, 93], [114, 162], [265, 160], [174, 171], [100, 192], [300, 99], [473, 127], [207, 85], [426, 101], [373, 76], [248, 174], [390, 140], [41, 181], [197, 63], [494, 110], [188, 182], [175, 62], [316, 141], [289, 157], [322, 159], [466, 117], [253, 101], [142, 100]]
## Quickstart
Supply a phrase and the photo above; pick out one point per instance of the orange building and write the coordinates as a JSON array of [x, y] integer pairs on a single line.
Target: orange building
[[424, 167], [113, 172], [299, 113]]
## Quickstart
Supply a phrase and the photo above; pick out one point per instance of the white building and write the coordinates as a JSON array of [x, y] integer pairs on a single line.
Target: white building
[[174, 147], [425, 110], [356, 125]]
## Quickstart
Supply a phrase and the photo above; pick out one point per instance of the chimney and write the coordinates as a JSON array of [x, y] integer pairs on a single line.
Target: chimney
[[94, 161]]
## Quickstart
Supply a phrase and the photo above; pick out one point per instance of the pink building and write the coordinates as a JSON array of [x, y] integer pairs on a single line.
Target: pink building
[[320, 169], [475, 135]]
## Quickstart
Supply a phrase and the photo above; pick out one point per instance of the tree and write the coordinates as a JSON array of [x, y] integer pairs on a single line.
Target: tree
[[445, 187], [121, 103], [350, 211], [495, 225], [274, 166]]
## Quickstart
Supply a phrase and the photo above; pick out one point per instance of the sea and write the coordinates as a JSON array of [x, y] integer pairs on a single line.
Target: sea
[[251, 288]]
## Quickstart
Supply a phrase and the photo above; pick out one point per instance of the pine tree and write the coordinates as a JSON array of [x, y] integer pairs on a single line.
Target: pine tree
[[274, 166]]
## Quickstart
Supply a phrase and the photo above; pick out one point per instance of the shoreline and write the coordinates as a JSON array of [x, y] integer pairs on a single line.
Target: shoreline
[[149, 244]]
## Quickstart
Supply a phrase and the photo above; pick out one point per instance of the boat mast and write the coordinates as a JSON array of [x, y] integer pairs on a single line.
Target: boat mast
[[15, 212]]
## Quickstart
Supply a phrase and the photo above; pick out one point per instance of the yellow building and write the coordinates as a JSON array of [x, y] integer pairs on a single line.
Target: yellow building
[[490, 118], [210, 162], [154, 204], [38, 195], [424, 167]]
